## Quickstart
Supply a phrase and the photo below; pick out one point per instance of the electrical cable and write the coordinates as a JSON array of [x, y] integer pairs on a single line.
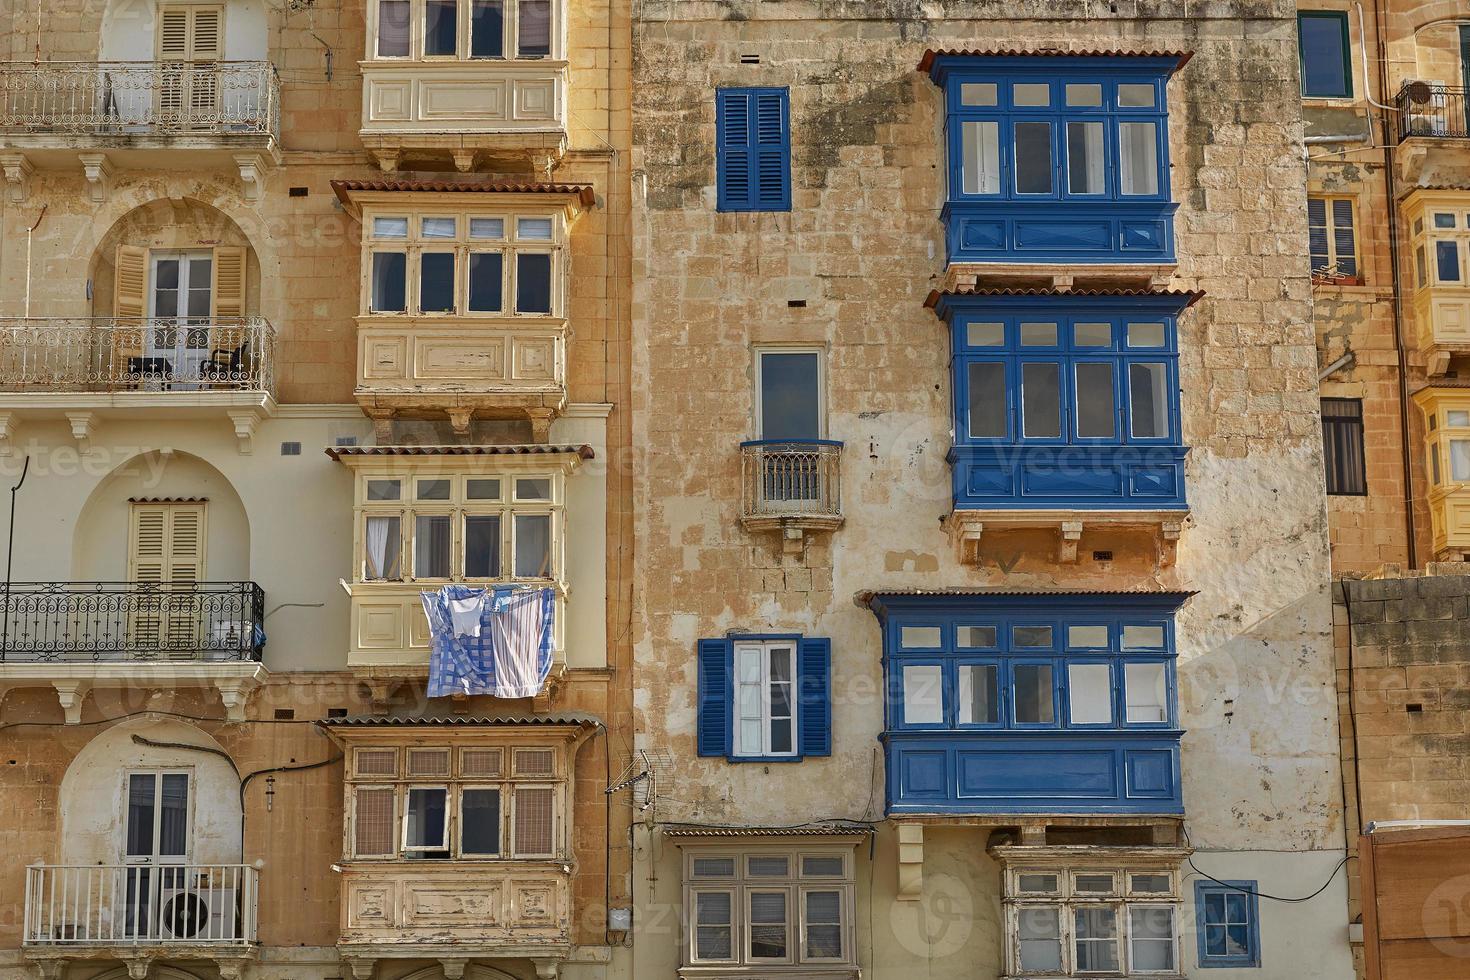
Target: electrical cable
[[1260, 894]]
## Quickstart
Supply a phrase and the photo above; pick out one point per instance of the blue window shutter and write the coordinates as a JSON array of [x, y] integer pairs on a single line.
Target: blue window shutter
[[714, 697], [733, 135], [753, 150], [772, 152], [815, 699]]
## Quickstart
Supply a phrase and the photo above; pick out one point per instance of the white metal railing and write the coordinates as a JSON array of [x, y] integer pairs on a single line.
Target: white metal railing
[[141, 98], [140, 904], [71, 354], [791, 478]]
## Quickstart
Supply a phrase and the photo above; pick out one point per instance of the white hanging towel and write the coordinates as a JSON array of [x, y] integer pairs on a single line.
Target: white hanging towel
[[521, 629]]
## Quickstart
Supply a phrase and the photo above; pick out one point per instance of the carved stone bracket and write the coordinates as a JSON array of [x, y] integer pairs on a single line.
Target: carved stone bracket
[[252, 175], [50, 969], [464, 162], [138, 967], [98, 173], [362, 967], [71, 694], [547, 969], [1169, 542], [83, 427], [459, 420], [7, 432], [453, 968], [245, 426], [1071, 533], [17, 170], [387, 160], [910, 862], [234, 694], [540, 424]]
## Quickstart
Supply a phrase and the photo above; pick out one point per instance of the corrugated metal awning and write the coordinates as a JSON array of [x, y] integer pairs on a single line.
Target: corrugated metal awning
[[804, 830], [927, 61], [519, 449], [461, 721], [1193, 296]]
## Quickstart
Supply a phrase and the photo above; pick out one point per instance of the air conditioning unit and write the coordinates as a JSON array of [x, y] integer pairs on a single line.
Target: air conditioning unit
[[198, 914], [1426, 100]]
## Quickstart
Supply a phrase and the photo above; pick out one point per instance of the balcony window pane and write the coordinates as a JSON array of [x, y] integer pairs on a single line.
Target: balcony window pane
[[534, 808], [1455, 418], [381, 548], [1138, 157], [823, 925], [1033, 157], [1146, 693], [533, 488], [1149, 884], [390, 277], [778, 695], [390, 228], [985, 334], [1032, 694], [482, 546], [441, 19], [436, 282], [142, 787], [393, 28], [1085, 157], [490, 228], [712, 926], [533, 545], [480, 816], [1031, 637], [768, 925], [974, 636], [535, 28], [980, 141], [1148, 407], [923, 694], [1090, 694], [978, 93], [1095, 935], [1151, 933], [487, 29], [978, 703], [439, 227], [1092, 334], [1037, 884], [1039, 935], [432, 490], [431, 546], [1084, 94], [384, 489], [1031, 94], [1038, 335], [487, 277], [1460, 459], [1139, 637], [533, 229], [1041, 402], [1135, 95], [987, 392], [790, 398], [919, 637], [1447, 261], [1095, 401], [424, 819], [1096, 884], [1087, 637], [1145, 335], [533, 282], [1444, 220]]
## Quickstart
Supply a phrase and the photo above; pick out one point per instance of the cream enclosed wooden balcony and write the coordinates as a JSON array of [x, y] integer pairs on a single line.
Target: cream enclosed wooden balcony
[[1446, 409], [1438, 223]]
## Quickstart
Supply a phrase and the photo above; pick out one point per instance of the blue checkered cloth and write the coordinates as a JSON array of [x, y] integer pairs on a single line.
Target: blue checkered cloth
[[516, 634]]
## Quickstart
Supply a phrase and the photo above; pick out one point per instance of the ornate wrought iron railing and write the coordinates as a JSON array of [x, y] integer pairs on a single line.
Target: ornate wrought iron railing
[[1432, 109], [141, 904], [131, 354], [131, 622], [791, 478], [141, 98]]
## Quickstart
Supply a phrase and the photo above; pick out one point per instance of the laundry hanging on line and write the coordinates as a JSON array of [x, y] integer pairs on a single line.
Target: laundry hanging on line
[[489, 641]]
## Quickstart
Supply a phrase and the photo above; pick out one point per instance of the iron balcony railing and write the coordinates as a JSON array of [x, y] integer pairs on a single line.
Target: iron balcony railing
[[155, 904], [791, 478], [131, 622], [224, 99], [75, 354], [1432, 109]]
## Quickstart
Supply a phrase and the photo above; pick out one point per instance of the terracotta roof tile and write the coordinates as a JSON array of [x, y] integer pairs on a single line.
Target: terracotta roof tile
[[927, 62], [522, 449], [463, 185], [1194, 296]]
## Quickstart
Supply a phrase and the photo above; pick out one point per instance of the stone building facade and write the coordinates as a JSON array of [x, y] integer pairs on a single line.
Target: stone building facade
[[875, 535], [305, 308]]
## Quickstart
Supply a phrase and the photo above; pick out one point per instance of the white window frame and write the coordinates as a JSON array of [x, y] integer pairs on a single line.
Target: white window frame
[[447, 833], [418, 26], [157, 773], [736, 940], [767, 720]]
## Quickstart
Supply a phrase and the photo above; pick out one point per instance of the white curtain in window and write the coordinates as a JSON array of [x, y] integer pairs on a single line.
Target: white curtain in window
[[380, 531]]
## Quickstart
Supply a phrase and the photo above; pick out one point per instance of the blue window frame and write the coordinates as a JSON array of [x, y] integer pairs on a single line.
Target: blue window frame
[[1057, 157], [1229, 924], [765, 698], [1063, 400], [1325, 48], [753, 149], [998, 702]]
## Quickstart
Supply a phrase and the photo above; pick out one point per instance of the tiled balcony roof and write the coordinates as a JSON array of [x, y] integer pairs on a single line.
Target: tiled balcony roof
[[466, 721], [833, 829], [521, 449], [464, 185], [866, 597], [1192, 296], [927, 61]]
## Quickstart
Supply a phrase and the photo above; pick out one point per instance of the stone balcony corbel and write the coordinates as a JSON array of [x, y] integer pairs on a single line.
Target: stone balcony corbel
[[98, 171], [17, 170]]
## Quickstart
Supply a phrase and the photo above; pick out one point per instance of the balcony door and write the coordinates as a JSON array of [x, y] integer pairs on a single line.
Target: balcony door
[[165, 562], [190, 45], [180, 299], [789, 419], [155, 847]]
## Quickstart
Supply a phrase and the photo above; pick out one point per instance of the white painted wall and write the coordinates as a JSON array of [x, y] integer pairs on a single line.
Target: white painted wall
[[129, 30]]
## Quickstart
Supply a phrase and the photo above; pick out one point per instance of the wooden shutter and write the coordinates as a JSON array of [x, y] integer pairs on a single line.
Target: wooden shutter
[[166, 545], [129, 305], [814, 696], [1344, 245], [1317, 233], [732, 135], [535, 821], [173, 34], [373, 821], [772, 152], [147, 563], [227, 297], [714, 698], [753, 153], [206, 43], [189, 33]]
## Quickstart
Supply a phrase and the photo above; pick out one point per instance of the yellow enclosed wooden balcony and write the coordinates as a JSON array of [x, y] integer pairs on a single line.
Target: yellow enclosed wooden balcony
[[1447, 458], [1438, 223]]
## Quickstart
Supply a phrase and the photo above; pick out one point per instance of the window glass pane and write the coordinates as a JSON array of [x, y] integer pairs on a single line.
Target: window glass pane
[[767, 925], [823, 925], [436, 282], [482, 489], [431, 546], [142, 788], [1146, 693], [440, 21], [767, 866], [923, 694], [712, 926], [779, 694], [1095, 932], [1033, 694], [1031, 93], [1041, 408], [424, 818], [381, 548], [1150, 884], [1033, 157], [1039, 939], [533, 229], [1138, 157], [1085, 158], [393, 28], [480, 821], [1094, 884], [533, 545], [1092, 334], [1444, 221], [974, 636], [533, 282], [749, 667], [487, 29], [1032, 637], [1420, 271], [1457, 418], [390, 275], [1137, 637], [1434, 465], [980, 143], [1148, 407], [1447, 261], [384, 489], [487, 274], [790, 393], [1037, 884], [1038, 335], [1135, 95], [977, 93], [987, 394], [535, 28], [1459, 459], [713, 868], [822, 867], [482, 546], [390, 227], [978, 703], [1090, 694], [487, 228], [1088, 637], [1096, 401], [985, 334], [1151, 932], [1324, 50], [1084, 94], [1145, 335], [533, 488], [432, 489], [438, 227]]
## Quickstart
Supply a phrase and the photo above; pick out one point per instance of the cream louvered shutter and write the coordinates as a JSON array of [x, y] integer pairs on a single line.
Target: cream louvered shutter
[[166, 547], [534, 828], [190, 40], [129, 304], [228, 297]]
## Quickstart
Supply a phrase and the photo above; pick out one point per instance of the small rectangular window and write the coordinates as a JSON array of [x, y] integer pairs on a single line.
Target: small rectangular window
[[1037, 884], [533, 545], [534, 831], [1135, 95], [1090, 694], [975, 637], [389, 286], [1447, 261], [384, 489], [1041, 408], [432, 489], [1444, 220], [985, 334], [487, 228], [1031, 94], [487, 275], [1146, 693], [1095, 939], [1151, 938], [1096, 401], [919, 637], [393, 18], [1039, 939], [1031, 637], [1032, 694], [1138, 158], [1229, 927], [390, 228], [1084, 95], [1342, 441], [768, 931], [1325, 52], [1148, 407], [425, 820], [1038, 334], [487, 29], [923, 694], [767, 866], [986, 418], [823, 910], [1143, 637], [1087, 637], [713, 926], [533, 229], [1085, 162], [534, 34], [978, 94], [533, 488], [533, 282], [441, 21], [431, 546], [981, 147], [482, 489], [1459, 460], [482, 546], [436, 282], [1092, 334], [382, 548], [480, 822], [713, 868], [439, 227]]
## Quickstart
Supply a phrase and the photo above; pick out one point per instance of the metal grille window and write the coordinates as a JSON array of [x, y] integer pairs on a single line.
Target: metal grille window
[[1342, 443], [1332, 237]]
